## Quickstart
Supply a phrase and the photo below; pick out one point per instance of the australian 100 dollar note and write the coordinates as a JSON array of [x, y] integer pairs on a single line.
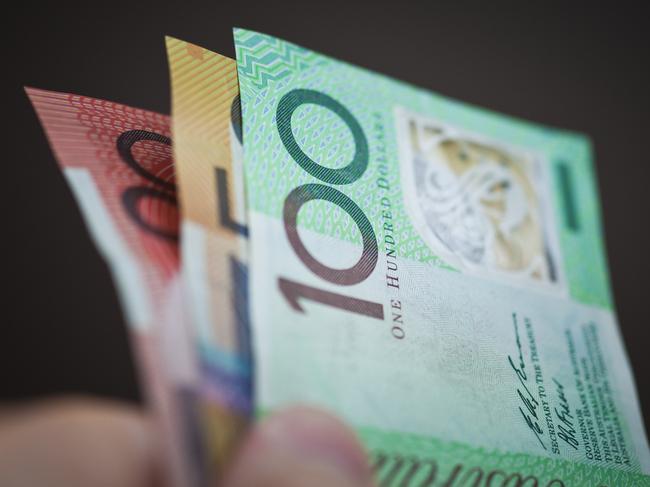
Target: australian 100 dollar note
[[435, 274], [118, 163], [208, 153]]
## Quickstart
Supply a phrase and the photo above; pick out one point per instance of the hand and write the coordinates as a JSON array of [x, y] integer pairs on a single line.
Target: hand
[[75, 443]]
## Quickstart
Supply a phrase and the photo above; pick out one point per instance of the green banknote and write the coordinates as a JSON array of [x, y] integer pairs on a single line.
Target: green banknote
[[435, 274]]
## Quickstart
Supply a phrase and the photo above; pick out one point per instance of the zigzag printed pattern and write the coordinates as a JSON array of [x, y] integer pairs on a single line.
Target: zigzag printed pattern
[[263, 59]]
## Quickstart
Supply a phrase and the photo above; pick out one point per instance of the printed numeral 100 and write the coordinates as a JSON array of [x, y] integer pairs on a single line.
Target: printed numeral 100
[[360, 271]]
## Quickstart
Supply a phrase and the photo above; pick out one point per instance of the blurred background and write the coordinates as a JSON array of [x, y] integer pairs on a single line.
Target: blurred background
[[579, 67]]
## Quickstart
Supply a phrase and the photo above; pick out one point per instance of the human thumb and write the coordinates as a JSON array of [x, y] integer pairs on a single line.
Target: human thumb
[[300, 447]]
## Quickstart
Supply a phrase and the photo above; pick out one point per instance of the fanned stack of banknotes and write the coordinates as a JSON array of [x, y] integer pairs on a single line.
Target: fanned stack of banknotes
[[304, 230]]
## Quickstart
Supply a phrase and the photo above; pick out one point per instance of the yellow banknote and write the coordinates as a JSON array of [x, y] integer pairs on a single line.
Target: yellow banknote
[[208, 153]]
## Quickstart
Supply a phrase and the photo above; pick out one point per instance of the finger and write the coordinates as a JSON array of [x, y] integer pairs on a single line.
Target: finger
[[76, 443], [300, 447]]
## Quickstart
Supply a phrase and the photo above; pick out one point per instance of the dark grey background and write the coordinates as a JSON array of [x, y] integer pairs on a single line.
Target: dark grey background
[[582, 68]]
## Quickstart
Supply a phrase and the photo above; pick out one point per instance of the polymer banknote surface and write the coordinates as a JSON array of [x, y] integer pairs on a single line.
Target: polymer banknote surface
[[435, 274], [214, 234], [432, 272], [118, 163]]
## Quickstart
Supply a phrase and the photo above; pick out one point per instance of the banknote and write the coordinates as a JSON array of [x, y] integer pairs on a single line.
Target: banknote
[[118, 163], [208, 154], [435, 274]]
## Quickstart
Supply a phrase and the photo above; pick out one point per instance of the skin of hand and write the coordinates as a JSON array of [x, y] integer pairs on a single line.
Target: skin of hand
[[81, 442]]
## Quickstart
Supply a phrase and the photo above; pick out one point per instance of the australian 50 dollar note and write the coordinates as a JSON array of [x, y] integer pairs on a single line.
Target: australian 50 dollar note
[[208, 153]]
